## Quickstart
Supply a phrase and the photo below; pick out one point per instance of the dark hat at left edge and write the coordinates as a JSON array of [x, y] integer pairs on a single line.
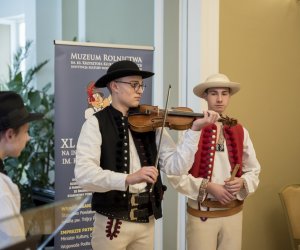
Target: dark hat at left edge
[[121, 69], [13, 113]]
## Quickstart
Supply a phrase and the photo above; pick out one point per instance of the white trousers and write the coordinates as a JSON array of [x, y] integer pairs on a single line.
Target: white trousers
[[132, 236], [223, 233]]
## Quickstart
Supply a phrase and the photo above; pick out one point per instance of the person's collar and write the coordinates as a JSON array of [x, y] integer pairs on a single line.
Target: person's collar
[[2, 170], [117, 111]]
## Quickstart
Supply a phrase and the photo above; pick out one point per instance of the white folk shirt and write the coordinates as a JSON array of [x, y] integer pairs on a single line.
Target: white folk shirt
[[11, 230], [189, 185], [175, 160]]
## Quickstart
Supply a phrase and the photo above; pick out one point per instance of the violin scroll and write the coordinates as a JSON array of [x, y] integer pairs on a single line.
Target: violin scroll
[[228, 121]]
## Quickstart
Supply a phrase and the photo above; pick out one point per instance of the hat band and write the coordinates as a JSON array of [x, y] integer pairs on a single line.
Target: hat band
[[13, 119]]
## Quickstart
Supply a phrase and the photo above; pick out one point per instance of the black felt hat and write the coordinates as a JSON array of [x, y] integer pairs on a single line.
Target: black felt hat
[[13, 113], [120, 69]]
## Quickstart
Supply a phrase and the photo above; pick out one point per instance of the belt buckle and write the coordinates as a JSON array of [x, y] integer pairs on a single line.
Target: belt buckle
[[131, 214], [133, 201]]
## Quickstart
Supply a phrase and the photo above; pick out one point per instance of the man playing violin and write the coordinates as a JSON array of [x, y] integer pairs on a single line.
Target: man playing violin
[[224, 173], [117, 164]]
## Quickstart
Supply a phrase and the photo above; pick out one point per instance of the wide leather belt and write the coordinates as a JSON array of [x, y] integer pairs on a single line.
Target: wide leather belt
[[139, 199], [230, 209], [139, 204], [217, 204], [136, 213]]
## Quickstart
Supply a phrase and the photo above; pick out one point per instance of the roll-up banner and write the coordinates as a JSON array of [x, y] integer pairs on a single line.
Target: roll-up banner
[[77, 67]]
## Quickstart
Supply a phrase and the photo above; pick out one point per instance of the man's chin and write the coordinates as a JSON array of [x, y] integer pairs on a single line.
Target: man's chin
[[134, 105], [219, 110]]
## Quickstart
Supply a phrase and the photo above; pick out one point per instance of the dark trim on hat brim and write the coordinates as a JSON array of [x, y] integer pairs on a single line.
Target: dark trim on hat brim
[[30, 118], [35, 116], [104, 80]]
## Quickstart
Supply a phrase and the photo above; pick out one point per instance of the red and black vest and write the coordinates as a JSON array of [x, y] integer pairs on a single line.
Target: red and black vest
[[204, 157]]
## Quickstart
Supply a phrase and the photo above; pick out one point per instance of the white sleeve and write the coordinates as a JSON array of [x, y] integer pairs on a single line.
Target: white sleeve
[[187, 185], [88, 172], [251, 167], [11, 230], [88, 113], [177, 159]]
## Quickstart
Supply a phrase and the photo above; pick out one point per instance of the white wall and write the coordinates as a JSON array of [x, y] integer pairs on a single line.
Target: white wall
[[11, 8]]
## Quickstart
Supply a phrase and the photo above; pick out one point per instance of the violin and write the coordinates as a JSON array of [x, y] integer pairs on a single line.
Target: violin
[[147, 118]]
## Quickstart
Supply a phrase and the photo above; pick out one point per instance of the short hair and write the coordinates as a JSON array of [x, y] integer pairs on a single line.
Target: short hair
[[206, 91]]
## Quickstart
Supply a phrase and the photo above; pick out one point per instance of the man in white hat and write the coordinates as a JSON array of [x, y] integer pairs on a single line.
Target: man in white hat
[[117, 164], [224, 173]]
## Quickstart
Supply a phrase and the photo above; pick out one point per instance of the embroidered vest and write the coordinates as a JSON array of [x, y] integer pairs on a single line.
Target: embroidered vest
[[204, 157], [115, 157]]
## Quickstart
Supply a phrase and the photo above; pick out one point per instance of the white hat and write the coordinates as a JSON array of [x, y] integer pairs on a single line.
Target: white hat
[[216, 81]]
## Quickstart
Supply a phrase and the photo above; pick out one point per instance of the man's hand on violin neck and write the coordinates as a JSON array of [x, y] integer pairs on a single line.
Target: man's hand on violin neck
[[145, 174], [209, 118]]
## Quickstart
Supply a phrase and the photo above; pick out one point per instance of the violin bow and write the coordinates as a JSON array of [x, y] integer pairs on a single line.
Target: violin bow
[[161, 133]]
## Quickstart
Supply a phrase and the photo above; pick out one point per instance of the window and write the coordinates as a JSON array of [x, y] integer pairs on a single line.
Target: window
[[12, 36]]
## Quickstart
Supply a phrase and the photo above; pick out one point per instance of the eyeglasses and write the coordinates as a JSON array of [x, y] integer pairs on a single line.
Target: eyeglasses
[[136, 85]]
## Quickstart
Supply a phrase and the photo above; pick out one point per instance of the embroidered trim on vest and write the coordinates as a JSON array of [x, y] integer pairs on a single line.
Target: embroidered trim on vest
[[204, 157], [122, 149], [234, 137]]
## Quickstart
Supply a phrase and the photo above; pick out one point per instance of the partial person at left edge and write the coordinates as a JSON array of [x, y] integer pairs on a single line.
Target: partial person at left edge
[[14, 126]]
